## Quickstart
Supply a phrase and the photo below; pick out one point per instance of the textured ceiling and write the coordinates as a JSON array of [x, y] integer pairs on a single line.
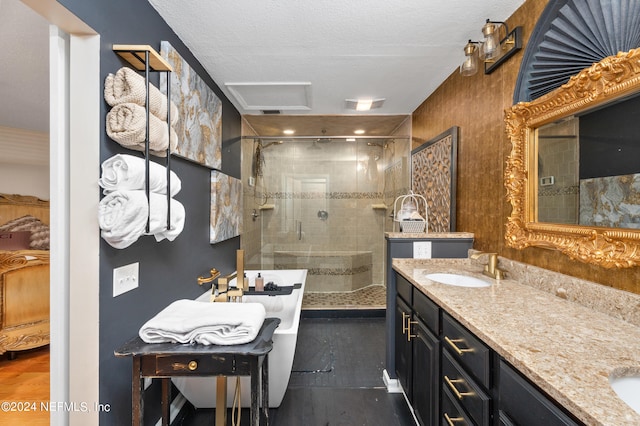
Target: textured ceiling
[[331, 51], [336, 50]]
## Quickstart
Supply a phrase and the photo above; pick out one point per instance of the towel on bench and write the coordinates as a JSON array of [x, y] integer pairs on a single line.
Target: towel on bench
[[192, 321]]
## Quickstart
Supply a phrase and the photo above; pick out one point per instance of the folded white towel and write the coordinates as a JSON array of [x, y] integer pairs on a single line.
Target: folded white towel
[[126, 124], [122, 216], [191, 321], [126, 172], [127, 86]]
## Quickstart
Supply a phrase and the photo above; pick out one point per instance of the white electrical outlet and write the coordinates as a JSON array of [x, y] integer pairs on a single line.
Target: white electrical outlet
[[422, 249], [125, 278]]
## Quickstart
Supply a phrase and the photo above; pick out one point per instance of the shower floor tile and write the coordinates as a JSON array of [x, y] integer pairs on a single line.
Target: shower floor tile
[[370, 297]]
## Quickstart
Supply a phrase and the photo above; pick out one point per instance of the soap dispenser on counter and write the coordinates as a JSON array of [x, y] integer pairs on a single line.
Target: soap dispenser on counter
[[259, 282]]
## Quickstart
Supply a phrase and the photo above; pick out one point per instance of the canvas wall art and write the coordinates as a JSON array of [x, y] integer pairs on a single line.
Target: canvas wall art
[[226, 207], [200, 126]]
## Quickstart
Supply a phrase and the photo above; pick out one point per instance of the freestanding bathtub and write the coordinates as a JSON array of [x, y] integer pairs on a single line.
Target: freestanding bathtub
[[201, 391]]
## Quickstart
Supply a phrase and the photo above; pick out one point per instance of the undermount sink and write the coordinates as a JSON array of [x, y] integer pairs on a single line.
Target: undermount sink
[[628, 389], [458, 280]]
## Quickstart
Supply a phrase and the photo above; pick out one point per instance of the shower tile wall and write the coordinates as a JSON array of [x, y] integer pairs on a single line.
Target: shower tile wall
[[304, 179], [322, 195], [558, 158], [251, 237]]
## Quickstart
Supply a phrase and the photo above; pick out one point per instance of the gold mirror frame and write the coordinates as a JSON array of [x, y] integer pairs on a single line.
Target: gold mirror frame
[[612, 78]]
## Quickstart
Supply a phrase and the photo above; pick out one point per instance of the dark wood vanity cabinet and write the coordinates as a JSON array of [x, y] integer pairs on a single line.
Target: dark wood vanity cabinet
[[417, 352], [466, 371], [521, 403], [451, 377]]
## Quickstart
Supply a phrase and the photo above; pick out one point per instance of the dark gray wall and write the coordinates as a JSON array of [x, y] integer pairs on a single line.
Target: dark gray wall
[[168, 270]]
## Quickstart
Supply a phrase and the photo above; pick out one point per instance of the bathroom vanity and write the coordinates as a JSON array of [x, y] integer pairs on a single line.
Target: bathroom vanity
[[508, 353], [415, 245]]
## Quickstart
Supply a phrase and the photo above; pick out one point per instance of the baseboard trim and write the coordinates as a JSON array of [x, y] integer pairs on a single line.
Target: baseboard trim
[[393, 385]]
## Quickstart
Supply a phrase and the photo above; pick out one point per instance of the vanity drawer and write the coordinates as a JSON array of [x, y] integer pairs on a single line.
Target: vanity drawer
[[427, 310], [467, 349], [465, 390], [404, 288], [452, 413], [189, 365]]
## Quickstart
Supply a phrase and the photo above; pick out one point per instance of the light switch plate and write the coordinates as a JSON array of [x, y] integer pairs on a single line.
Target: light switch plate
[[125, 278], [422, 249]]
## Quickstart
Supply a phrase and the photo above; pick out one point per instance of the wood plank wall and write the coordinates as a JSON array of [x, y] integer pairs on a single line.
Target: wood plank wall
[[476, 104]]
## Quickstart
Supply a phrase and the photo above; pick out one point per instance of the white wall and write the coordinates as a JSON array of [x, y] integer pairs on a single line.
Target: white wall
[[24, 162], [25, 180]]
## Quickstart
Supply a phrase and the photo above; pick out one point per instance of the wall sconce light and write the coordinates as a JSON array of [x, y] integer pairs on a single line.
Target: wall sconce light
[[493, 50]]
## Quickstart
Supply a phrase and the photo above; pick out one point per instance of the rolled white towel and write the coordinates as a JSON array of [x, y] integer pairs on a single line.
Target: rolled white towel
[[126, 172], [158, 220], [127, 86], [191, 321], [126, 124], [122, 216]]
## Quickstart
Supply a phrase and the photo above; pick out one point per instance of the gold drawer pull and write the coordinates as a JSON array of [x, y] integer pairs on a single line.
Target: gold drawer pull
[[451, 385], [406, 326], [191, 366], [405, 322], [409, 335], [452, 343], [451, 421]]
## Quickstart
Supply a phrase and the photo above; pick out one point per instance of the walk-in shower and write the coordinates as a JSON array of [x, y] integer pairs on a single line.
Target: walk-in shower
[[320, 203]]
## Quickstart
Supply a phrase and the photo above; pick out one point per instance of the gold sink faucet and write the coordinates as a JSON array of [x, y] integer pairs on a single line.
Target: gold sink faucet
[[491, 268]]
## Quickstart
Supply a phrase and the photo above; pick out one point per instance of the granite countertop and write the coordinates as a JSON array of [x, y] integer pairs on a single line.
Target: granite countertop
[[428, 235], [565, 348]]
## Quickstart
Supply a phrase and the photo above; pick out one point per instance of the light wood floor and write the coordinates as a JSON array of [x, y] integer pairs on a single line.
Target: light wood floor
[[24, 389]]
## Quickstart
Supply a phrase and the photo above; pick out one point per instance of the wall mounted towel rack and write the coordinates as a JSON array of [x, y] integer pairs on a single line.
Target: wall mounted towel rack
[[145, 58]]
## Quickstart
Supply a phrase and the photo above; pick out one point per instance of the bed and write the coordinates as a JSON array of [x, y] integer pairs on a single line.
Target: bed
[[24, 273]]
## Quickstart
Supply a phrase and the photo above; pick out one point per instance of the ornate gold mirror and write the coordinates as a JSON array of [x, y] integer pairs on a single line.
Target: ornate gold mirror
[[594, 215]]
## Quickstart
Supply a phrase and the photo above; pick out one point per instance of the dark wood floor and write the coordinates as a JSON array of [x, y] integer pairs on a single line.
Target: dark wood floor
[[336, 379]]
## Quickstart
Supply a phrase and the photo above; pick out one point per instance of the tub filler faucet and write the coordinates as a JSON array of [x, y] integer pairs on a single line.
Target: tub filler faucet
[[221, 292], [491, 268]]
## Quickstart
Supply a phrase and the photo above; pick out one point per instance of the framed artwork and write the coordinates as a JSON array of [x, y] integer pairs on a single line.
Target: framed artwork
[[199, 127], [433, 175], [225, 220]]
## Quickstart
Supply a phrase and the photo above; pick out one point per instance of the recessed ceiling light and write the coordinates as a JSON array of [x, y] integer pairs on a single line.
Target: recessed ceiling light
[[363, 104], [288, 131], [359, 132]]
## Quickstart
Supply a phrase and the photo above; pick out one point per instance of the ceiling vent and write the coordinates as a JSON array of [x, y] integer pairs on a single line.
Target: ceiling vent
[[272, 96]]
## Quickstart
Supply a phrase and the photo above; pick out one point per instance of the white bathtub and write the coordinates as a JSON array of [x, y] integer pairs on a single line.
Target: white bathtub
[[201, 391]]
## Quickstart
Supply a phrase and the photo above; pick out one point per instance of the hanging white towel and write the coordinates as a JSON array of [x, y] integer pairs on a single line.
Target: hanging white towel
[[126, 124], [191, 321], [127, 86], [126, 172], [122, 216]]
